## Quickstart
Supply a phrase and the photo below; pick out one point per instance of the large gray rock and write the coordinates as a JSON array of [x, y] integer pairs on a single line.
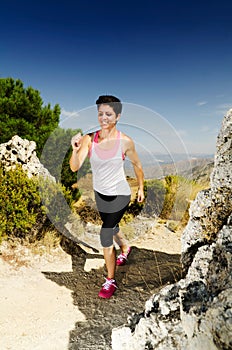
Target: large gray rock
[[211, 208], [22, 151], [196, 312]]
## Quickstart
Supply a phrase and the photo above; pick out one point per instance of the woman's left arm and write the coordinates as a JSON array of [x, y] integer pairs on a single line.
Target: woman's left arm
[[131, 153]]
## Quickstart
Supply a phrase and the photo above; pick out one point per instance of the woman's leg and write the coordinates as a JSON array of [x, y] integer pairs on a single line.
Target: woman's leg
[[121, 241], [110, 231], [110, 257]]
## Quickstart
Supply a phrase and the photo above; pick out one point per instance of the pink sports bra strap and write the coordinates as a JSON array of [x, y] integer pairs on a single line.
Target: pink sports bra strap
[[95, 139]]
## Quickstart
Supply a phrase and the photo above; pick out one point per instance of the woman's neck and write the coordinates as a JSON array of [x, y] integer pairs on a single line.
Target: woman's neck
[[108, 133]]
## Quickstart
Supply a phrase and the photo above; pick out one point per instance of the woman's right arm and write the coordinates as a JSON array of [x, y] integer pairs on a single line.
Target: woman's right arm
[[80, 145]]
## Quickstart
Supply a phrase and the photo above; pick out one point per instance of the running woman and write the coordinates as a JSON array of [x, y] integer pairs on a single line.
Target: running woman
[[107, 149]]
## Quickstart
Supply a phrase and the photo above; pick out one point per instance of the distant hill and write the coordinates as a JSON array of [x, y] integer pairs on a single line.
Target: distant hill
[[198, 169], [194, 168], [201, 171]]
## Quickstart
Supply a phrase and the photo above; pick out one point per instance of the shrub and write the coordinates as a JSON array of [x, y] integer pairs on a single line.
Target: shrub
[[56, 202], [56, 155], [179, 193], [155, 194], [19, 203], [171, 184], [23, 213]]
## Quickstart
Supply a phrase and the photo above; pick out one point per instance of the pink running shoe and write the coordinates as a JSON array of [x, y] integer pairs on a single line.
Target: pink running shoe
[[122, 258], [108, 288]]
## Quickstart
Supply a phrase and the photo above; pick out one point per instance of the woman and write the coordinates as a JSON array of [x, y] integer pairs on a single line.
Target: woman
[[107, 149]]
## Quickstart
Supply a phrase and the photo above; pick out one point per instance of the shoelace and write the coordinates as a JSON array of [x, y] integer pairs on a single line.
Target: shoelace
[[122, 256], [108, 284]]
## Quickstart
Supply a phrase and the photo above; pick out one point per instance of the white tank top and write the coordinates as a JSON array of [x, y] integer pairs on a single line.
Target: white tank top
[[108, 168]]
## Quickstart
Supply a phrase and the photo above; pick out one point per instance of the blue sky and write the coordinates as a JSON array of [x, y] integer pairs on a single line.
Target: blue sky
[[170, 57]]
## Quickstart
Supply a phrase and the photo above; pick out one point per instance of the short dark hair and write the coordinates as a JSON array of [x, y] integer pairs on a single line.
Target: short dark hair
[[110, 100]]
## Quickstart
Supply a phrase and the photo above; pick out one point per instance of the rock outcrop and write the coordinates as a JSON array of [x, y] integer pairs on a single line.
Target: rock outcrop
[[22, 151], [195, 312]]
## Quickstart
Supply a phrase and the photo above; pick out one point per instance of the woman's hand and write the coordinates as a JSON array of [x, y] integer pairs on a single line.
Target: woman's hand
[[76, 142], [141, 196], [80, 145]]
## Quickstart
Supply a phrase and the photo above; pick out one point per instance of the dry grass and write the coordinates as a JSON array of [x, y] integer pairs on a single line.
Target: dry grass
[[18, 252], [174, 268]]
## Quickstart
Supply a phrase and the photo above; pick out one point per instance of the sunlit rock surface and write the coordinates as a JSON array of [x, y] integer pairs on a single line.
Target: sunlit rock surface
[[196, 312]]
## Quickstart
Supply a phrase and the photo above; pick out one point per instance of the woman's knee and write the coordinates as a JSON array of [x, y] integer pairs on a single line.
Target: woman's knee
[[106, 237], [116, 229]]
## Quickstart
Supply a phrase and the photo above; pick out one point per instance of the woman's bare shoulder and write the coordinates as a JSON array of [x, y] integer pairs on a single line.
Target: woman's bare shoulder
[[126, 137], [127, 143]]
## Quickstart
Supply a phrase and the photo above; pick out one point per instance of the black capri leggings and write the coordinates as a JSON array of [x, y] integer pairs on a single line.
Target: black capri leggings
[[111, 210]]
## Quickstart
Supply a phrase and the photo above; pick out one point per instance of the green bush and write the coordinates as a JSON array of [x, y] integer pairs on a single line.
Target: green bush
[[56, 155], [27, 203], [56, 202], [19, 203], [171, 185], [155, 194], [179, 192]]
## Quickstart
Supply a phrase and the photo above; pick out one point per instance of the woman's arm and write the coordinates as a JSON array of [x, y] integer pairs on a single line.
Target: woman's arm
[[131, 153], [80, 145]]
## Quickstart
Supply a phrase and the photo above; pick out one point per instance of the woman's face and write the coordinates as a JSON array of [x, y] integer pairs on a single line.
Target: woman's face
[[106, 116]]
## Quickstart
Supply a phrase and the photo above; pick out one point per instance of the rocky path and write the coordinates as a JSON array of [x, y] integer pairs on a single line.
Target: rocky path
[[51, 301], [146, 272]]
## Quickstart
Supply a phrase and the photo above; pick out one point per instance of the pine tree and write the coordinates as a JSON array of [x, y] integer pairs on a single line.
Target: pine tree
[[22, 113]]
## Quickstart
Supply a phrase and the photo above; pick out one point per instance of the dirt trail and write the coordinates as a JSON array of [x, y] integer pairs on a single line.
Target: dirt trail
[[54, 304]]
